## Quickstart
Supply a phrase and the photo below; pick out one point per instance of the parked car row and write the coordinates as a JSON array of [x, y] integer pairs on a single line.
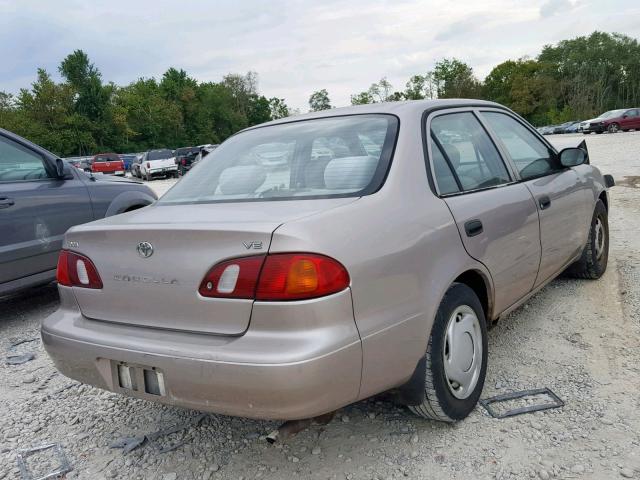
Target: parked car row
[[147, 165], [612, 121]]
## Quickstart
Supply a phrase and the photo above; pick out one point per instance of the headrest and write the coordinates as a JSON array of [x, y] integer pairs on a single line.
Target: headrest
[[453, 153], [350, 173], [242, 180]]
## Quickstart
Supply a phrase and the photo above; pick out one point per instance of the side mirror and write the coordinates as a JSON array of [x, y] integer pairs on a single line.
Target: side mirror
[[572, 157], [63, 172], [625, 115]]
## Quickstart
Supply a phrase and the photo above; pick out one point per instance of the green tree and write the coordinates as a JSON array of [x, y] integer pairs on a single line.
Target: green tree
[[319, 101], [420, 87], [362, 98], [279, 108], [455, 79], [523, 85]]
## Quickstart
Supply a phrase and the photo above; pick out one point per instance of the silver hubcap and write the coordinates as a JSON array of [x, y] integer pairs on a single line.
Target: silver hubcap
[[600, 238], [462, 352], [613, 128]]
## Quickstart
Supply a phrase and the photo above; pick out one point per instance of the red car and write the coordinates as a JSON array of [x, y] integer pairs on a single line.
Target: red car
[[107, 163], [615, 120]]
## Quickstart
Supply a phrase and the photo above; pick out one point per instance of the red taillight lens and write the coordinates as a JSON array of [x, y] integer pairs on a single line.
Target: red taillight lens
[[233, 279], [148, 165], [76, 270], [297, 276], [184, 161], [278, 277]]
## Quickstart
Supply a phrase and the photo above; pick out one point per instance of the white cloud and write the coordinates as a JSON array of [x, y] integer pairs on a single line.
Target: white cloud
[[296, 47]]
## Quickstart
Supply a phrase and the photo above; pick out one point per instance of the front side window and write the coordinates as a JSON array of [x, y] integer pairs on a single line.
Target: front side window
[[18, 163], [531, 156], [463, 156], [318, 158]]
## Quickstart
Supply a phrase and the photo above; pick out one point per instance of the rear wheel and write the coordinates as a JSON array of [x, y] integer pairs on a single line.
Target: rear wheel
[[614, 128], [456, 357], [593, 261]]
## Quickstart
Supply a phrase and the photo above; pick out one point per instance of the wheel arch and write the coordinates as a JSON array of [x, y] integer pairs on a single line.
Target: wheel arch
[[481, 286], [412, 392], [605, 199], [129, 200]]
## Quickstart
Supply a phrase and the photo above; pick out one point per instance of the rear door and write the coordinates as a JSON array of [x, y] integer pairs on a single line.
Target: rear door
[[632, 120], [496, 216], [35, 211], [561, 195]]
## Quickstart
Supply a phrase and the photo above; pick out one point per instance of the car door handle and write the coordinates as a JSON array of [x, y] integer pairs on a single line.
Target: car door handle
[[6, 202], [544, 201], [473, 228]]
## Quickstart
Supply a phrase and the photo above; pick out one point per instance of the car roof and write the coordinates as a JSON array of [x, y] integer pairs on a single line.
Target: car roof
[[406, 108]]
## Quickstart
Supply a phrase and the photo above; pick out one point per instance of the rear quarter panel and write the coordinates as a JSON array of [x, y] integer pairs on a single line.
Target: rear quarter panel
[[402, 250]]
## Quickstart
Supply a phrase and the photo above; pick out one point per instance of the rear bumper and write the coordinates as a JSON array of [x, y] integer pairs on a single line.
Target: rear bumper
[[267, 373], [163, 170]]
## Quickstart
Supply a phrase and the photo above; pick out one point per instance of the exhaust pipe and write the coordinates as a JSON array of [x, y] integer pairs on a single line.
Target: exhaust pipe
[[292, 427]]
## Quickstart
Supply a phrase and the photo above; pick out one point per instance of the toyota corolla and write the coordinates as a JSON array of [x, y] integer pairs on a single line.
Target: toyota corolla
[[370, 257]]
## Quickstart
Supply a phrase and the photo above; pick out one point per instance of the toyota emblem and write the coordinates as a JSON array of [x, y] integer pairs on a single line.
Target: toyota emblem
[[145, 249]]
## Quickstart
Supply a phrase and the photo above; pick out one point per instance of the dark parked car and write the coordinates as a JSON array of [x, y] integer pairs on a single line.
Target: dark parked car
[[572, 128], [41, 197], [184, 158], [127, 159], [563, 127], [615, 120]]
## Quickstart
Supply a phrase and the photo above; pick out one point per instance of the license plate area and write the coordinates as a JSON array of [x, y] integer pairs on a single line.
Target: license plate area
[[139, 379]]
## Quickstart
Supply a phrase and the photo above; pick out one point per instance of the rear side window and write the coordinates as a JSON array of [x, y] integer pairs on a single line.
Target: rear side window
[[464, 157], [18, 163], [317, 158], [531, 156]]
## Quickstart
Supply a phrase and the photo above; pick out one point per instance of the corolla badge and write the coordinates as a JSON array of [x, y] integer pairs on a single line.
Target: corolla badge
[[145, 249]]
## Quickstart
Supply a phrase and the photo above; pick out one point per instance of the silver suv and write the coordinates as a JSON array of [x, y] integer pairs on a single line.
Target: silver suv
[[315, 261]]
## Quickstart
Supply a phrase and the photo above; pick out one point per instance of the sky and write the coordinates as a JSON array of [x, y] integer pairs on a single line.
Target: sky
[[296, 47]]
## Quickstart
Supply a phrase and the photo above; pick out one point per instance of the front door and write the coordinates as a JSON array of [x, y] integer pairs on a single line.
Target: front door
[[35, 211], [559, 193], [496, 217]]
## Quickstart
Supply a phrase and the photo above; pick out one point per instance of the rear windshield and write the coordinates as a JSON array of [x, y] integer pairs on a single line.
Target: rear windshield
[[159, 154], [319, 158], [106, 157], [185, 151]]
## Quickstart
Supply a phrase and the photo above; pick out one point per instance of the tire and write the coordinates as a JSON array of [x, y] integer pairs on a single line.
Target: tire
[[593, 261], [599, 133], [459, 305], [613, 128]]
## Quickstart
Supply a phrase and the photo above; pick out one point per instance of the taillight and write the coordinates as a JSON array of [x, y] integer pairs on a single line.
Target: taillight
[[184, 161], [75, 270], [277, 277], [148, 165], [233, 278], [296, 276]]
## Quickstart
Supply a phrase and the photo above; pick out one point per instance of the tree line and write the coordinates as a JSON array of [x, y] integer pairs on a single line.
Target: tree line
[[574, 79], [84, 115]]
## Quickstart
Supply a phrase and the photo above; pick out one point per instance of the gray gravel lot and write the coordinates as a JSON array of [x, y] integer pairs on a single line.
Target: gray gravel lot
[[580, 338]]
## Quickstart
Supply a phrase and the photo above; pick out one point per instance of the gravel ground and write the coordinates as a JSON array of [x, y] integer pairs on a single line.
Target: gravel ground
[[580, 338]]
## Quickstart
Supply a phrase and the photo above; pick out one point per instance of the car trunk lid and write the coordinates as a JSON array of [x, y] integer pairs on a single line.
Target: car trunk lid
[[160, 289]]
